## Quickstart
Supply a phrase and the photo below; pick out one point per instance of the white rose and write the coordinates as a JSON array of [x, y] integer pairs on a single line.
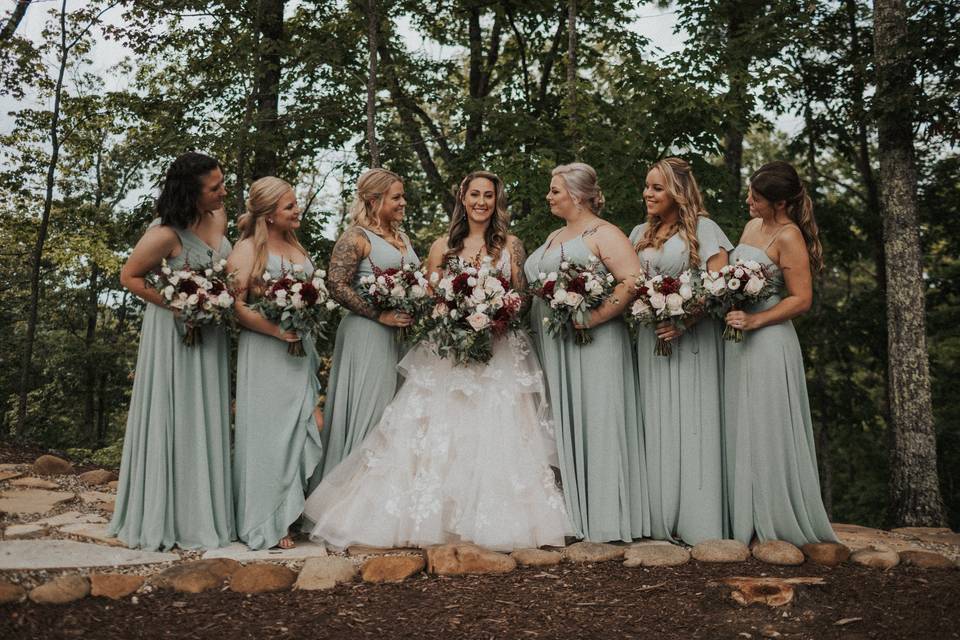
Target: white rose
[[564, 266], [541, 276], [675, 304], [471, 281], [753, 265], [717, 286], [168, 292], [296, 287], [753, 286], [372, 290], [416, 291], [686, 291], [166, 270], [224, 299], [281, 294], [657, 300], [382, 281], [733, 284], [684, 277], [551, 276], [174, 279], [296, 301], [738, 272], [439, 311], [640, 309], [610, 278], [397, 292], [266, 276], [297, 268], [208, 273], [478, 321], [192, 299], [573, 299], [331, 305]]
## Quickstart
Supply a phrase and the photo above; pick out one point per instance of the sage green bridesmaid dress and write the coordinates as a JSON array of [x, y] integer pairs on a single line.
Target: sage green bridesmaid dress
[[277, 446], [593, 397], [175, 486], [680, 399], [771, 462], [363, 376]]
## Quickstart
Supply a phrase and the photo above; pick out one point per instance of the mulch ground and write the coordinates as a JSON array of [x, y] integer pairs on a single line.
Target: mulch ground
[[590, 601]]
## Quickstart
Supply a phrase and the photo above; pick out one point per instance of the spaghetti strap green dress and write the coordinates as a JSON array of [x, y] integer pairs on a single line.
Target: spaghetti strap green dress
[[594, 399], [278, 445], [771, 462], [363, 376], [175, 485]]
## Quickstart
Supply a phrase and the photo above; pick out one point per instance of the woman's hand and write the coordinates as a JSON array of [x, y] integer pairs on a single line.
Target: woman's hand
[[287, 336], [592, 321], [395, 319], [741, 320], [668, 331]]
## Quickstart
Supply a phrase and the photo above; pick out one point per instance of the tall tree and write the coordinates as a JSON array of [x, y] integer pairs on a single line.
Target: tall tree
[[373, 29], [269, 72], [10, 27], [572, 76], [914, 485]]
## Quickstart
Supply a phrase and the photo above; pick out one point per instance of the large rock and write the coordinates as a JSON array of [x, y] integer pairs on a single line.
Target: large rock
[[10, 592], [720, 551], [196, 576], [829, 554], [464, 558], [32, 500], [325, 573], [34, 483], [71, 517], [97, 476], [93, 533], [876, 556], [61, 590], [391, 568], [114, 585], [30, 555], [9, 472], [242, 553], [24, 531], [592, 552], [778, 552], [262, 578], [926, 559], [655, 555], [536, 557], [52, 466]]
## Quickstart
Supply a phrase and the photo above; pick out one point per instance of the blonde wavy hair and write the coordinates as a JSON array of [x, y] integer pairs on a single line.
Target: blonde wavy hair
[[683, 189], [262, 201], [371, 187], [581, 181], [495, 236], [778, 181]]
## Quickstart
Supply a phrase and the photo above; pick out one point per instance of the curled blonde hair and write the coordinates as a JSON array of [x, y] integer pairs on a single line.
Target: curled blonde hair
[[371, 187], [581, 181], [262, 201], [682, 188]]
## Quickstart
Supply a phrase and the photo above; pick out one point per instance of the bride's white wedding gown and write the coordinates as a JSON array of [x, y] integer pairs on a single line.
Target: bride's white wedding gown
[[460, 454]]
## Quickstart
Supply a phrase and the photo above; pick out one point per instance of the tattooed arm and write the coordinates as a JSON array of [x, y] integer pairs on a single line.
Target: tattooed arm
[[352, 247], [518, 279]]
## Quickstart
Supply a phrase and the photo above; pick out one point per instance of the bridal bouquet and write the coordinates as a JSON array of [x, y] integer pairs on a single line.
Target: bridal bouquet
[[402, 288], [734, 287], [572, 292], [665, 298], [472, 307], [296, 302], [200, 298]]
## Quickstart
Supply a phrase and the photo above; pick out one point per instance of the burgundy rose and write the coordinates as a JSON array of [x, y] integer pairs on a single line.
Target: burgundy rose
[[309, 293], [189, 287]]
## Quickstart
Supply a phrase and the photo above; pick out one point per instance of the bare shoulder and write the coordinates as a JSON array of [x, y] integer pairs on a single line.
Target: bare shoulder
[[791, 238], [160, 236], [513, 242], [609, 233], [243, 248], [439, 245]]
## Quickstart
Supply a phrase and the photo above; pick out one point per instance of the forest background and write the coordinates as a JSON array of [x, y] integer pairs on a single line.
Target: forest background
[[317, 91]]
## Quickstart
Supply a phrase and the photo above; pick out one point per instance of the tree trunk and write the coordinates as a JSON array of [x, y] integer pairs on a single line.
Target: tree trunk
[[738, 100], [90, 366], [372, 37], [14, 20], [269, 71], [915, 498], [572, 127], [26, 361]]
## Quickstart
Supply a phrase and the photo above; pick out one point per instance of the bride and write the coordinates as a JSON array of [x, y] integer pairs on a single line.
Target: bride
[[462, 453]]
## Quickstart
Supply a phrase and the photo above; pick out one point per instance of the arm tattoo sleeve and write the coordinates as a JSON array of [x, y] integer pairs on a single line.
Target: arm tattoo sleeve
[[346, 256]]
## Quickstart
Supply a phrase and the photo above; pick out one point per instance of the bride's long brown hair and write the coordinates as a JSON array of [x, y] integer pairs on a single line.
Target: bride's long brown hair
[[495, 237]]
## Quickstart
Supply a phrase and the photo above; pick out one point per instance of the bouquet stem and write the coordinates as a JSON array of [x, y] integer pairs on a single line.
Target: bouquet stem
[[663, 348], [296, 349], [193, 336], [733, 334], [401, 335], [583, 337]]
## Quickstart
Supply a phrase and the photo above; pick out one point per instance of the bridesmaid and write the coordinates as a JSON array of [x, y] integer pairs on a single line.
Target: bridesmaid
[[175, 473], [771, 464], [363, 377], [681, 393], [593, 388], [278, 425]]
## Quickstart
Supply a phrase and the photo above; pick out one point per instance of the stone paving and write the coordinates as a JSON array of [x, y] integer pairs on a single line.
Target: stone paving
[[55, 549]]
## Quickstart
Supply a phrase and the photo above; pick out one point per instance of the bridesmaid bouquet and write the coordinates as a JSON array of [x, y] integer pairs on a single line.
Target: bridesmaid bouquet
[[665, 298], [402, 288], [734, 287], [572, 292], [296, 302], [472, 307], [200, 298]]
